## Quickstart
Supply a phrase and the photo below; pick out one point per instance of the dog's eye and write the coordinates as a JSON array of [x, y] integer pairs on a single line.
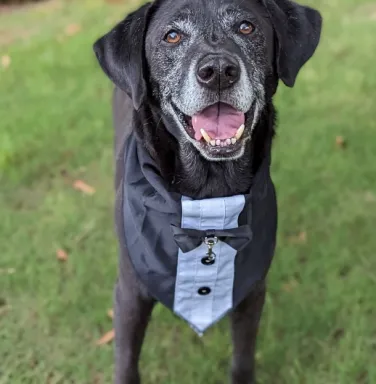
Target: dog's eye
[[246, 28], [172, 37]]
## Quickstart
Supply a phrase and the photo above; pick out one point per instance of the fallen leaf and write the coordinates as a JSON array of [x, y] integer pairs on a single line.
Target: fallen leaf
[[98, 378], [61, 255], [7, 271], [340, 142], [300, 238], [338, 334], [290, 285], [370, 197], [110, 313], [72, 29], [362, 378], [5, 309], [83, 187], [5, 61], [64, 172], [106, 338]]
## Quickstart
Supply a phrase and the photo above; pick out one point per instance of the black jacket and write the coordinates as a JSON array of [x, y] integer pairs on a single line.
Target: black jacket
[[165, 239]]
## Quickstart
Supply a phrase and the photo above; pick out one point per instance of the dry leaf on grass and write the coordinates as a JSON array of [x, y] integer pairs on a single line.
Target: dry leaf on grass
[[338, 334], [61, 255], [83, 187], [72, 29], [290, 285], [370, 197], [98, 378], [110, 313], [5, 61], [5, 309], [340, 142], [300, 238], [106, 338], [7, 271]]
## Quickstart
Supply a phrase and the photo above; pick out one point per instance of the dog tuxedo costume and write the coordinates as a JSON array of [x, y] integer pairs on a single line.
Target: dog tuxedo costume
[[200, 258]]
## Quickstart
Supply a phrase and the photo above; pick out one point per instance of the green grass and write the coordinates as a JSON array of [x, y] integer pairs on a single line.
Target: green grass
[[55, 126]]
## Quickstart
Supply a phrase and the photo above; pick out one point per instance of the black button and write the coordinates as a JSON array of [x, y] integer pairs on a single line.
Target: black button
[[204, 291], [208, 260]]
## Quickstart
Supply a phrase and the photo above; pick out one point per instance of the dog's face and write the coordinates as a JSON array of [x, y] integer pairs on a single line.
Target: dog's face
[[207, 63]]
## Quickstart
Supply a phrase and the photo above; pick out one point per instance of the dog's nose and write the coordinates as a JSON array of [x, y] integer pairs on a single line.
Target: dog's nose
[[217, 71]]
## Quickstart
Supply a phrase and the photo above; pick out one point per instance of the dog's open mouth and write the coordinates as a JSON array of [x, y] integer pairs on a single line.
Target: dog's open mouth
[[219, 127]]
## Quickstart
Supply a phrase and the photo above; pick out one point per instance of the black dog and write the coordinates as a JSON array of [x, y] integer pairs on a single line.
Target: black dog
[[195, 205]]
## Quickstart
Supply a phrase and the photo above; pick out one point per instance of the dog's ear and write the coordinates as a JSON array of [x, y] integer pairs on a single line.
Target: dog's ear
[[121, 54], [297, 30]]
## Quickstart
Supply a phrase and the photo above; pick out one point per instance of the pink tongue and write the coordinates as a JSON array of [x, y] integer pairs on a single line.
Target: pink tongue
[[220, 121]]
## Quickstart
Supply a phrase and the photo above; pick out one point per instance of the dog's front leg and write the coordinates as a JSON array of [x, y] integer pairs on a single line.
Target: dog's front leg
[[132, 313], [244, 323]]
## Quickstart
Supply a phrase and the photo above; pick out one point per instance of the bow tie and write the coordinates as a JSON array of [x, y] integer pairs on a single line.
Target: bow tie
[[189, 239]]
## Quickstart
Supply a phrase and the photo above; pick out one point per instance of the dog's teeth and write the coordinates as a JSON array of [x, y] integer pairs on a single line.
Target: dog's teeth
[[233, 140], [205, 135], [212, 143], [218, 142], [239, 132], [228, 141]]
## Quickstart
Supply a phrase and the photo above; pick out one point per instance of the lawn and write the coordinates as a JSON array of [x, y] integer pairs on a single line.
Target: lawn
[[319, 324]]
